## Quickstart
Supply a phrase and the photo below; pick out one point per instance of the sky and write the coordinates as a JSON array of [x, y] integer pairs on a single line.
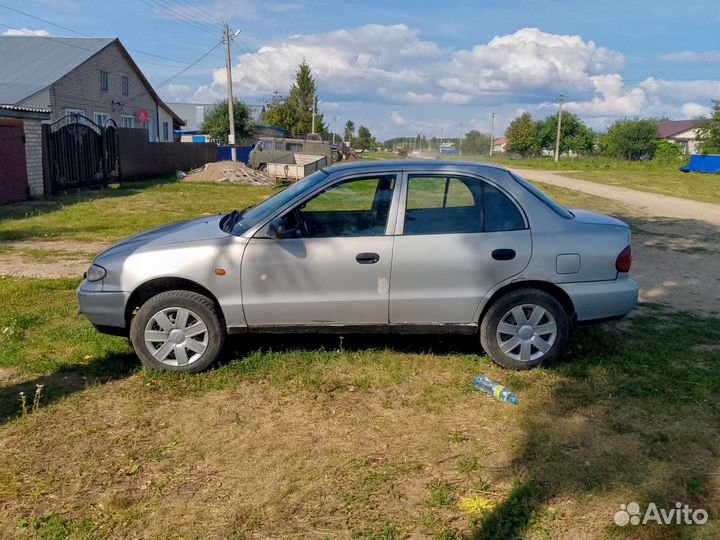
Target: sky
[[402, 68]]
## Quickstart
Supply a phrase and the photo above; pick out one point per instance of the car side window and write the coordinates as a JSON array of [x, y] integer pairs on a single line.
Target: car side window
[[452, 205], [294, 147], [279, 146], [355, 207]]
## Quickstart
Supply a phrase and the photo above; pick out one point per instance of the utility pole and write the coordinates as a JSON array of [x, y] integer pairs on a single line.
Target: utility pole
[[231, 113], [557, 140], [492, 133]]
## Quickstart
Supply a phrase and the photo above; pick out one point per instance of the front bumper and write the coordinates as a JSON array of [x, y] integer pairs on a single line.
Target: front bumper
[[600, 300], [103, 308]]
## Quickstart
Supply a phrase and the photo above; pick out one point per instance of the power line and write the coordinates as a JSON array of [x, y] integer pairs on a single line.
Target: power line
[[200, 12], [157, 6], [140, 51], [198, 17], [176, 75]]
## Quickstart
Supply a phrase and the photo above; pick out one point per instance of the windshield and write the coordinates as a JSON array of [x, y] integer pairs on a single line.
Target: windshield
[[555, 207], [254, 215]]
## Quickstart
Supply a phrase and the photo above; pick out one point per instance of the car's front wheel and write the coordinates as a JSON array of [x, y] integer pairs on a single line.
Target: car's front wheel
[[178, 331], [525, 328]]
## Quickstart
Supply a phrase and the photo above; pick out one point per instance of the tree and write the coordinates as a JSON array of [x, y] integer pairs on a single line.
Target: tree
[[574, 134], [349, 131], [476, 143], [217, 124], [521, 137], [295, 113], [630, 139], [303, 93], [709, 131], [365, 140]]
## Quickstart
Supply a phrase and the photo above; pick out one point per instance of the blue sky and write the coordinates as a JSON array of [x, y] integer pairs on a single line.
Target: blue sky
[[418, 67]]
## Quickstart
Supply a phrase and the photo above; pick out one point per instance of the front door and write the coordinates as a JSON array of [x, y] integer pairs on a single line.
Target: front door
[[331, 264], [460, 237]]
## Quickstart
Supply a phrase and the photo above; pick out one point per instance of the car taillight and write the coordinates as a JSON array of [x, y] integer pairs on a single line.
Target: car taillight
[[624, 260]]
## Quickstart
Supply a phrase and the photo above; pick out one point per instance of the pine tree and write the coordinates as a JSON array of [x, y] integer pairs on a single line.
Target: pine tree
[[300, 103]]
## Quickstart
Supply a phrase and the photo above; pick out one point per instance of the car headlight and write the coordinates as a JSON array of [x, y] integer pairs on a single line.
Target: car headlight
[[95, 273]]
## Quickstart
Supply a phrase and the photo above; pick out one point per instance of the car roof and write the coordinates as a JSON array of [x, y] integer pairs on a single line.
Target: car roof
[[410, 164]]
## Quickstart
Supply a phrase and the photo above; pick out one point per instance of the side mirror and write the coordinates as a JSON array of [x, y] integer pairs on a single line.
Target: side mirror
[[276, 229]]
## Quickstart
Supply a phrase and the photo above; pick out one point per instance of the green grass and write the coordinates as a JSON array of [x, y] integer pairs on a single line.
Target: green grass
[[611, 424], [114, 213]]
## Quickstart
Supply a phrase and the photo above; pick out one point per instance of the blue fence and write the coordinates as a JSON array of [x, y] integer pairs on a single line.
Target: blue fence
[[705, 164], [242, 153]]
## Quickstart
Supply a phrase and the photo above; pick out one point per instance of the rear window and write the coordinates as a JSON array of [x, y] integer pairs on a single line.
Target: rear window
[[555, 207]]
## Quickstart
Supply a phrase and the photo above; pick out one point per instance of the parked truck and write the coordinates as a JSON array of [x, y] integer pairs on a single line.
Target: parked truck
[[271, 149]]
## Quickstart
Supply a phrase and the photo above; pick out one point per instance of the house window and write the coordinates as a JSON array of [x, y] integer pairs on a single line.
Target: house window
[[166, 131], [73, 115], [103, 81], [125, 86], [127, 121], [101, 118]]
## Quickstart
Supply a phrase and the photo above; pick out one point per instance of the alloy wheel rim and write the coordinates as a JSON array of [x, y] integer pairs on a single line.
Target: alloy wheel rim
[[526, 332], [176, 336]]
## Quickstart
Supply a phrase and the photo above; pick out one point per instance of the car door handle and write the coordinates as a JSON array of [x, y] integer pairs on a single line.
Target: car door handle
[[503, 254], [367, 258]]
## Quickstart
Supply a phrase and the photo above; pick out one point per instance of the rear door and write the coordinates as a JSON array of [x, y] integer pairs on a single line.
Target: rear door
[[333, 264], [458, 236]]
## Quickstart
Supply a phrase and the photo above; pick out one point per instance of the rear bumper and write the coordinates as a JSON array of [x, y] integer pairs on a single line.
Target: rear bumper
[[602, 300], [103, 309]]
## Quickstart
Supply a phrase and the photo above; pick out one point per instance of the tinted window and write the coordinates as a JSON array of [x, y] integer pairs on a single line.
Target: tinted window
[[559, 210], [294, 147], [356, 207], [279, 146], [446, 205]]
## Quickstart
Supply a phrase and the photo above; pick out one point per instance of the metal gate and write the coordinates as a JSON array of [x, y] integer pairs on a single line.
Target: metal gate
[[81, 153], [13, 172]]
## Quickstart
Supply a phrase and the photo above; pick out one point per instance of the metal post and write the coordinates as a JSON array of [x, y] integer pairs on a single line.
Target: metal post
[[557, 140], [231, 113], [492, 133]]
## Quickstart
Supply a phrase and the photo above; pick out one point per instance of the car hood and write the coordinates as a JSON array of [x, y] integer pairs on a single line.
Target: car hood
[[192, 230], [593, 218]]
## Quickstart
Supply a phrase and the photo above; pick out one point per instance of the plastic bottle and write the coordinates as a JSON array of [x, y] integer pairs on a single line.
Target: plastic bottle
[[494, 389]]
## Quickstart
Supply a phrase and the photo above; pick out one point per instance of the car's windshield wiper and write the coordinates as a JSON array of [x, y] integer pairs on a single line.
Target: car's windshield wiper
[[228, 222]]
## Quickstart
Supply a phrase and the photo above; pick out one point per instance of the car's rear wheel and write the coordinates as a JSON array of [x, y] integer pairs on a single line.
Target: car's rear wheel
[[525, 328], [178, 331]]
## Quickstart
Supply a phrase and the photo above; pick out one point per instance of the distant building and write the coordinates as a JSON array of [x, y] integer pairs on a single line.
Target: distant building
[[193, 115], [499, 144], [92, 77], [681, 132]]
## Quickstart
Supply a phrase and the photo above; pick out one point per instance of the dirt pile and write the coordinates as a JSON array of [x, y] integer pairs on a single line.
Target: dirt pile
[[228, 171]]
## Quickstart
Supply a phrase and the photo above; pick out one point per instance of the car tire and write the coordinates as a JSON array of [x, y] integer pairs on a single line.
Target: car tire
[[178, 331], [524, 329]]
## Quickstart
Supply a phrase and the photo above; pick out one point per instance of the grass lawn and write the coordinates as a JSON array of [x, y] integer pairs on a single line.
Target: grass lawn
[[114, 213], [359, 437], [639, 175]]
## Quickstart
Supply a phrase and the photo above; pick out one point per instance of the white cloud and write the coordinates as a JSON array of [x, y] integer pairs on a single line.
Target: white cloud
[[695, 57], [457, 98], [397, 119], [693, 110], [407, 77], [25, 32], [179, 92], [413, 97]]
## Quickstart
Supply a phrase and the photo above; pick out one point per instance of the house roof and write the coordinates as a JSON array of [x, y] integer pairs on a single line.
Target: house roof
[[669, 128], [501, 140], [32, 63]]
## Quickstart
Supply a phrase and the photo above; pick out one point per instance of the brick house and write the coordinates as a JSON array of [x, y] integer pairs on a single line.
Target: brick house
[[21, 173], [95, 77]]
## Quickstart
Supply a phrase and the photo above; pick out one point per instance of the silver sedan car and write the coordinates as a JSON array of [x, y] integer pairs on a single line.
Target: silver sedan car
[[382, 247]]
